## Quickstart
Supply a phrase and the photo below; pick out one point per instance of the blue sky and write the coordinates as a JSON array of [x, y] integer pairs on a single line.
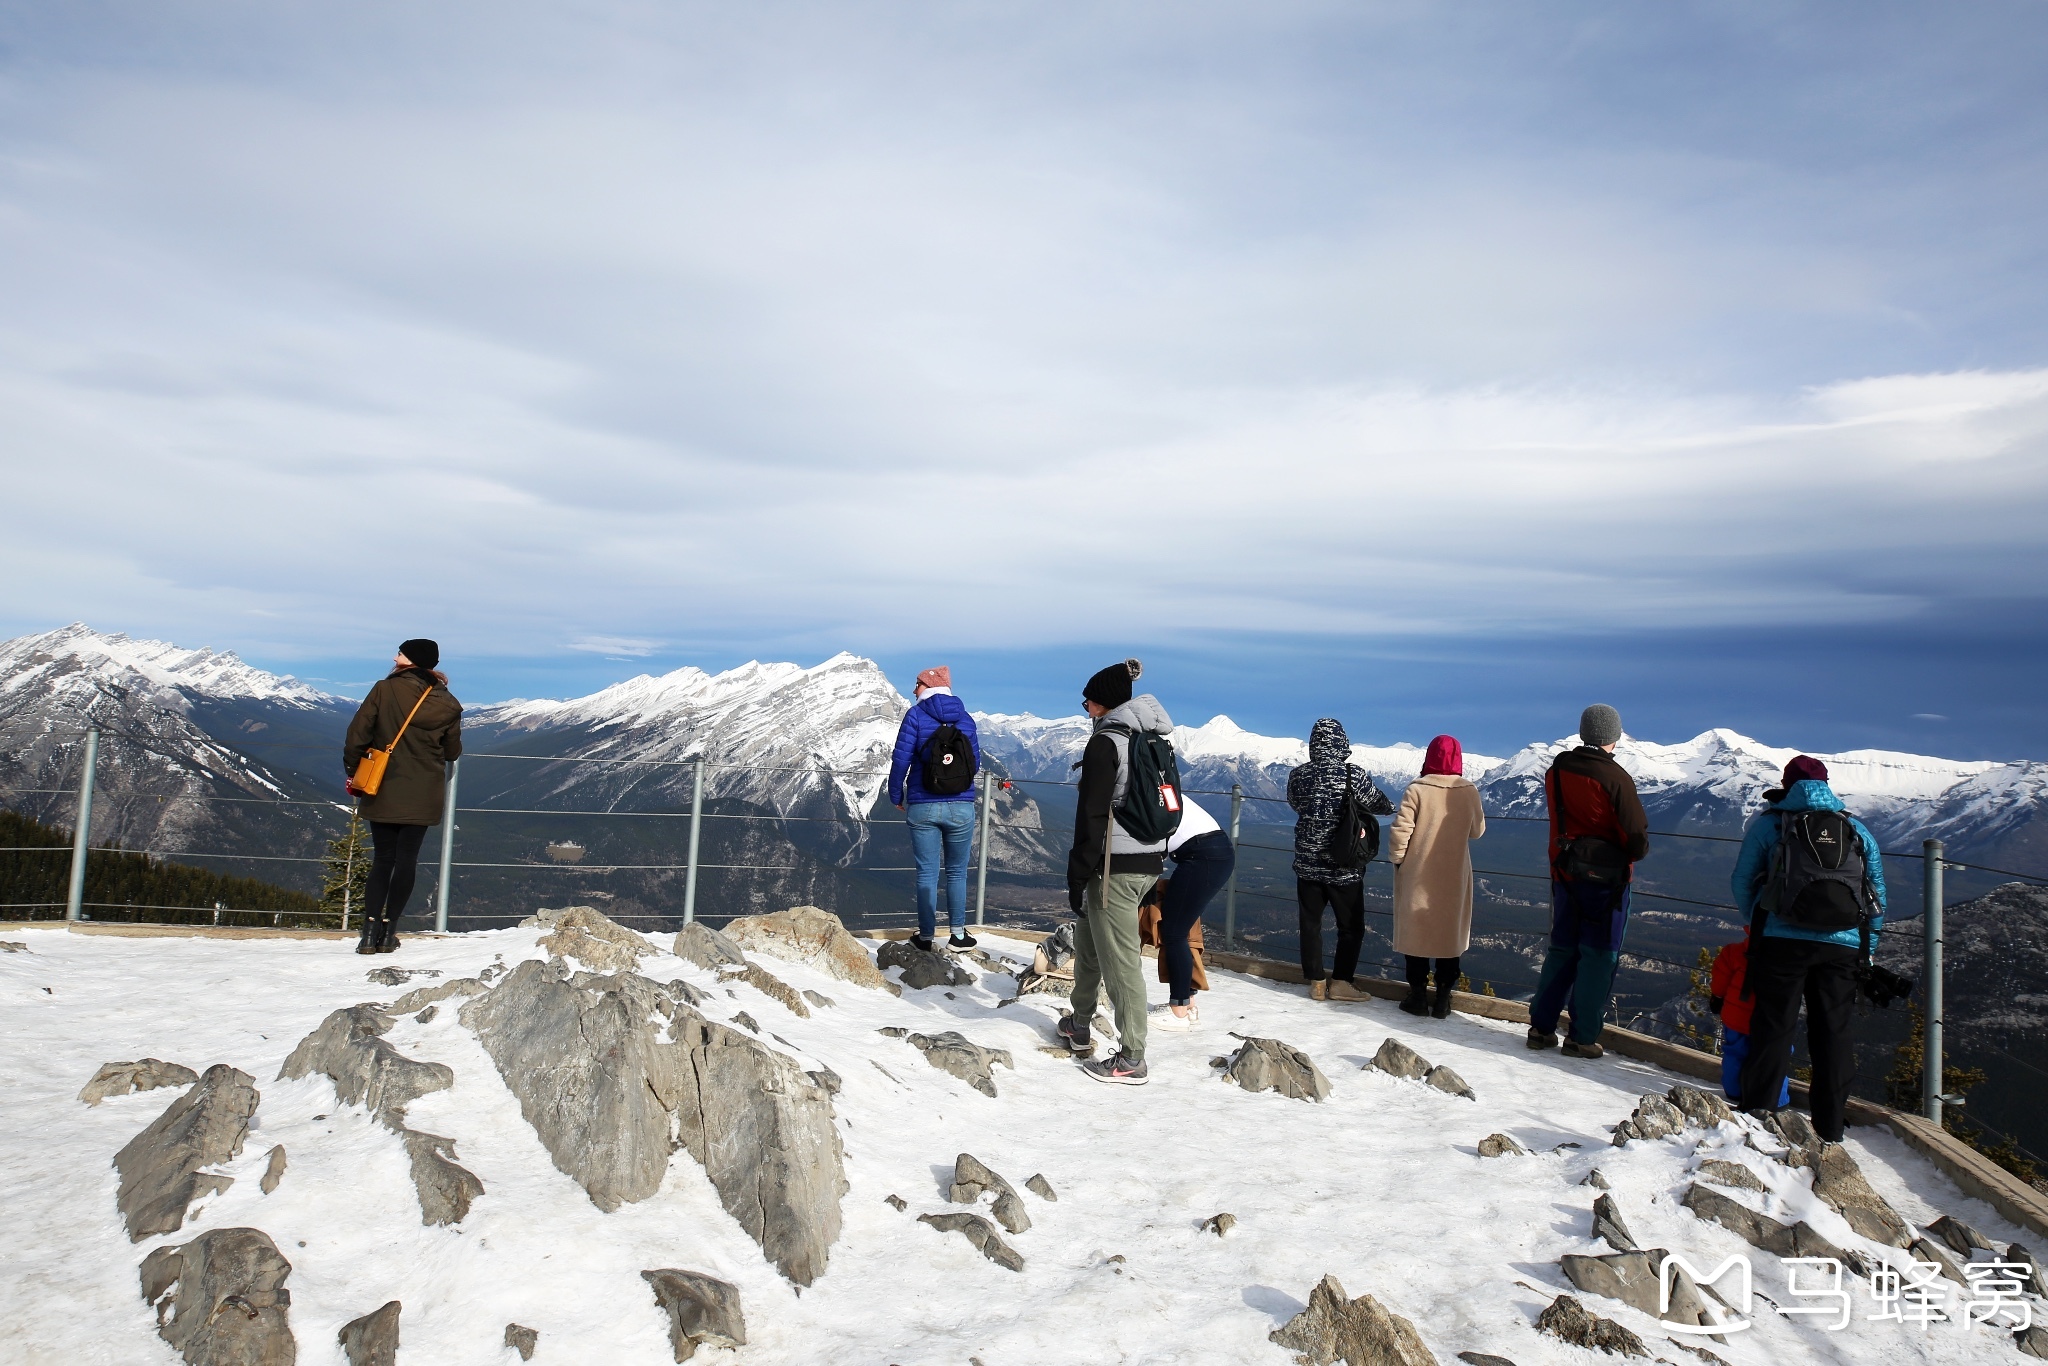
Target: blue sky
[[1401, 361]]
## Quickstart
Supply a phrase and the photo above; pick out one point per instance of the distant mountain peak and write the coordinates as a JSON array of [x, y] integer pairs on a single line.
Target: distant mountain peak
[[77, 657]]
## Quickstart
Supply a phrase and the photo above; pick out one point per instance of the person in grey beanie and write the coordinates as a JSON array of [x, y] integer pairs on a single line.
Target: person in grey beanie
[[1598, 832]]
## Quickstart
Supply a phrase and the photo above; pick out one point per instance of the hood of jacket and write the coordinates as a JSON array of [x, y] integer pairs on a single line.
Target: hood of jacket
[[1327, 742], [1142, 712], [1810, 794], [942, 706]]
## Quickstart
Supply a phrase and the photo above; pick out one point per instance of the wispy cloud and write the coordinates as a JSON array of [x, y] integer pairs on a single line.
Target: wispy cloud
[[653, 322]]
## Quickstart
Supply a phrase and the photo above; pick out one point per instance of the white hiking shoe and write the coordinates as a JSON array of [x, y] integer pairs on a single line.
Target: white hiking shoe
[[1164, 1018]]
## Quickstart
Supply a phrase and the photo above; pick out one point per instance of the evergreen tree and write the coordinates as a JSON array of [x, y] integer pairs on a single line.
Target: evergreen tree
[[1902, 1092], [345, 875], [1696, 1021]]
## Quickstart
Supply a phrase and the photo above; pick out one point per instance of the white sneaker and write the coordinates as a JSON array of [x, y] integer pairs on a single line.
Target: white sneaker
[[1164, 1018]]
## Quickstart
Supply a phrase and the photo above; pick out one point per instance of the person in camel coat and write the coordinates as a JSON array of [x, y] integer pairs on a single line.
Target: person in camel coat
[[1440, 816]]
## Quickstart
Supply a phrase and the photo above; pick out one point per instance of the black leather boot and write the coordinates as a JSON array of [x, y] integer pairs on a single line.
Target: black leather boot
[[1417, 1000], [366, 942]]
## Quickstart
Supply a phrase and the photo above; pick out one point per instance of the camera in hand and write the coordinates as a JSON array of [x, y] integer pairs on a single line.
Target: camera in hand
[[1881, 986]]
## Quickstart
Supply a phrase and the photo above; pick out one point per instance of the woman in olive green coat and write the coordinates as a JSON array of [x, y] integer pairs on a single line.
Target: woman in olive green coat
[[415, 785]]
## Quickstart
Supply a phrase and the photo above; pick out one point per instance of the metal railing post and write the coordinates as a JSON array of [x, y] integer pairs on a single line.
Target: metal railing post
[[81, 838], [988, 802], [696, 829], [1230, 895], [447, 848], [1931, 1067]]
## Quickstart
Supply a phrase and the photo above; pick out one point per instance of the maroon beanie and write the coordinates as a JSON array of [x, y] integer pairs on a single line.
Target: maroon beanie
[[1803, 768]]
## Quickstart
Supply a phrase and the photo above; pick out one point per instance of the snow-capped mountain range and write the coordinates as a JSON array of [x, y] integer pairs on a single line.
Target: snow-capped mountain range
[[815, 741]]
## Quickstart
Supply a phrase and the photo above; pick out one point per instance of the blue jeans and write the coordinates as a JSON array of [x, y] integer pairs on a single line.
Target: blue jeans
[[1734, 1052], [1201, 866], [940, 833], [1587, 924]]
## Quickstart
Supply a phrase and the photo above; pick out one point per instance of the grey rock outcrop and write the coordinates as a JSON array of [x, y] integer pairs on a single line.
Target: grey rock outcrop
[[144, 1074], [1569, 1320], [806, 934], [698, 943], [273, 1169], [1928, 1250], [348, 1049], [398, 977], [979, 1232], [973, 1178], [372, 1340], [1762, 1231], [1483, 1359], [1501, 1145], [1360, 1332], [1041, 1188], [612, 1096], [1445, 1080], [522, 1339], [12, 946], [591, 937], [769, 985], [1703, 1108], [445, 1189], [1397, 1059], [1594, 1178], [2032, 1340], [922, 968], [1960, 1237], [1839, 1182], [1654, 1117], [1724, 1173], [1631, 1277], [952, 1052], [819, 999], [419, 998], [1270, 1065], [1219, 1224], [2037, 1283], [1608, 1224], [161, 1166], [703, 1311], [220, 1299]]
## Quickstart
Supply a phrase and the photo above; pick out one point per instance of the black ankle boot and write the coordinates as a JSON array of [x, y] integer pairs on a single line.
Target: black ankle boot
[[1441, 1006], [367, 941], [1417, 1000]]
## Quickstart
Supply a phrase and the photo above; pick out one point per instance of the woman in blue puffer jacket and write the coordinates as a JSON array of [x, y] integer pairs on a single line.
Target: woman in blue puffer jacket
[[941, 824], [1790, 962]]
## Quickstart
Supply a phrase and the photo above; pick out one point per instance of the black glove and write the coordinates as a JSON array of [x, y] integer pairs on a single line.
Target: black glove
[[1714, 1003]]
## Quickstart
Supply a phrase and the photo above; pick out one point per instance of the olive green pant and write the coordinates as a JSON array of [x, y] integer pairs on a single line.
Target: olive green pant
[[1106, 954]]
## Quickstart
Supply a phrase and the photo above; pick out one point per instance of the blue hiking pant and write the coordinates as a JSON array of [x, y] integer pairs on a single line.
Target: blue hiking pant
[[1587, 924], [941, 833], [1734, 1051]]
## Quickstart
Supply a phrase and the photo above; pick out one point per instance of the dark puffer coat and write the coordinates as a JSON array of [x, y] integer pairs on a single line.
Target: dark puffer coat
[[416, 781], [1316, 792]]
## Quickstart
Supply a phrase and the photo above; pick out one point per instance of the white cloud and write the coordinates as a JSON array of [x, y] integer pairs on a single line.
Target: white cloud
[[680, 321]]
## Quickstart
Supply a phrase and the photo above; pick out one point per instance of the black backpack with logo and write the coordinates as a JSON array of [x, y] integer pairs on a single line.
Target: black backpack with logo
[[948, 761], [1151, 806], [1356, 840], [1818, 878]]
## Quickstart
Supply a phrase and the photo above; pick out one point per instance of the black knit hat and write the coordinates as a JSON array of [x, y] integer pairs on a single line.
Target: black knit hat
[[424, 654], [1111, 687]]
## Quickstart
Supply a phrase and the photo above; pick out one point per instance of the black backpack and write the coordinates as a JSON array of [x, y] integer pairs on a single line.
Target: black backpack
[[948, 762], [1818, 878], [1356, 840], [1150, 810]]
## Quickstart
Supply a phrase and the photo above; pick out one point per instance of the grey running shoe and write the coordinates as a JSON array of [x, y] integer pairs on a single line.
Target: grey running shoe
[[1119, 1069]]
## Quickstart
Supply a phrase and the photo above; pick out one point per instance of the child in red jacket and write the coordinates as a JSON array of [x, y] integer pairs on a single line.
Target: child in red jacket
[[1728, 1000]]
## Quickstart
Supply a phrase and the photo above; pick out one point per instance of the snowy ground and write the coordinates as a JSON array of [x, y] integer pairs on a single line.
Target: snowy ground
[[1380, 1185]]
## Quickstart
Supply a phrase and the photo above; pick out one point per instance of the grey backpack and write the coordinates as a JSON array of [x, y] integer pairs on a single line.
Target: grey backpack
[[1818, 878]]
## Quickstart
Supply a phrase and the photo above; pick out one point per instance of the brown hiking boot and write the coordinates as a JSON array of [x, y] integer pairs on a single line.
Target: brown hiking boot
[[1540, 1040], [1341, 990], [1574, 1049]]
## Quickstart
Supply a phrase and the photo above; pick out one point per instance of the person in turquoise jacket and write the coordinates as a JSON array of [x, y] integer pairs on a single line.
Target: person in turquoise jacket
[[1792, 963]]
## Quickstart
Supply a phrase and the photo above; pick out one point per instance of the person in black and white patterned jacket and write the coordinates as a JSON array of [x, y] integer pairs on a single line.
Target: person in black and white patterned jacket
[[1316, 792]]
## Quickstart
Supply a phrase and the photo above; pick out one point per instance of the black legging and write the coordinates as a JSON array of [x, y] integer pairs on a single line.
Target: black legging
[[393, 866], [1418, 974]]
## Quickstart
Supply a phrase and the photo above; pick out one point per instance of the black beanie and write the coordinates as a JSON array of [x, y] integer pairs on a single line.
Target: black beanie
[[424, 654], [1111, 687]]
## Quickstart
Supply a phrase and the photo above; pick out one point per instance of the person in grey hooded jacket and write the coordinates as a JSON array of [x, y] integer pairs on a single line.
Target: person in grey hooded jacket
[[1316, 792], [1106, 897]]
